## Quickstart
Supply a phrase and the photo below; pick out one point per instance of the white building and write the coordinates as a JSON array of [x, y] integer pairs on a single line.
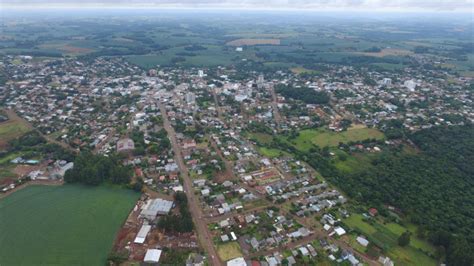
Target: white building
[[152, 256], [141, 236], [237, 262]]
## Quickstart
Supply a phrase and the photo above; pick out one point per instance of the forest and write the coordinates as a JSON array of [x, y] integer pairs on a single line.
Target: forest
[[304, 94]]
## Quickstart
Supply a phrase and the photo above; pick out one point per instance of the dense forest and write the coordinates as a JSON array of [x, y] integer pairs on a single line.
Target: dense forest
[[93, 169], [304, 94], [434, 188]]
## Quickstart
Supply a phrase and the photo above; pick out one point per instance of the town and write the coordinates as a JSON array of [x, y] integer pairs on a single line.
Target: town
[[207, 146]]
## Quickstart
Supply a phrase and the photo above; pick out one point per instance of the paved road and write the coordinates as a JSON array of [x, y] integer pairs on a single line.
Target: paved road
[[202, 231]]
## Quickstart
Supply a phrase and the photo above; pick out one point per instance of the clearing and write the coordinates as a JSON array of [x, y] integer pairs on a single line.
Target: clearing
[[62, 225]]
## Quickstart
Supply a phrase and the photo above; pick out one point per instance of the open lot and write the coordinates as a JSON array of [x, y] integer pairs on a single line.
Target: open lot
[[65, 225], [229, 251]]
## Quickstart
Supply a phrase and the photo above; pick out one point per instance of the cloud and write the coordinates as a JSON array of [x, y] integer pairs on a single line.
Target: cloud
[[433, 5]]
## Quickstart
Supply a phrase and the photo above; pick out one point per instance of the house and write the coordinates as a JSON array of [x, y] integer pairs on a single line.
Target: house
[[373, 212], [339, 231], [364, 242], [152, 256], [304, 251]]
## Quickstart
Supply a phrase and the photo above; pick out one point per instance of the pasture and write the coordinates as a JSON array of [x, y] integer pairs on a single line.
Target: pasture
[[62, 225]]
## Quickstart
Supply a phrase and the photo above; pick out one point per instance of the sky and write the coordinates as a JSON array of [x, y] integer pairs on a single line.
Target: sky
[[343, 5]]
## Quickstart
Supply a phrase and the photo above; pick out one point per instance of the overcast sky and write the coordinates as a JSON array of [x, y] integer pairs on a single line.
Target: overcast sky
[[365, 5]]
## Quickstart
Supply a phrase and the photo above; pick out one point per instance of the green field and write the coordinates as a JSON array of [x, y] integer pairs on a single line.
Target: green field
[[62, 225], [387, 236], [268, 152], [324, 137], [12, 129]]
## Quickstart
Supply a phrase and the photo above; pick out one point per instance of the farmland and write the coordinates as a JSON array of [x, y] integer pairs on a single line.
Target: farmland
[[65, 225]]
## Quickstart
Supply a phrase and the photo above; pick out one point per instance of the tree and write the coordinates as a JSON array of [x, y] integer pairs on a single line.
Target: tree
[[404, 239]]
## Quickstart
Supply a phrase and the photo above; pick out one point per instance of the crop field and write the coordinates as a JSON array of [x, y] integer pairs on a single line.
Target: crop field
[[249, 42], [229, 251], [324, 137], [387, 234], [64, 225]]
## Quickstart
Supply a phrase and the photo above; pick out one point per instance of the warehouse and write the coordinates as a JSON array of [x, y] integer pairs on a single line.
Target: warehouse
[[141, 236], [155, 207]]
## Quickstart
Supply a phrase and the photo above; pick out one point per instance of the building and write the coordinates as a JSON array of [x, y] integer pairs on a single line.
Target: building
[[152, 256], [237, 262], [155, 207], [125, 145], [141, 236], [260, 81], [190, 98]]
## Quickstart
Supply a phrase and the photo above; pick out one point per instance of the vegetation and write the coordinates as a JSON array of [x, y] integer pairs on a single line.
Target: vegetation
[[181, 223], [404, 239], [433, 188], [58, 225], [304, 94], [91, 169]]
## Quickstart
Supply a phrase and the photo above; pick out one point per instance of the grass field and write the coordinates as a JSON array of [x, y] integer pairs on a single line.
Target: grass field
[[387, 234], [11, 129], [271, 153], [229, 251], [324, 137], [65, 225]]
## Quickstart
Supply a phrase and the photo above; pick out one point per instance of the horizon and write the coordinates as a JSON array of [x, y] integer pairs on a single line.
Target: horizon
[[360, 6]]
